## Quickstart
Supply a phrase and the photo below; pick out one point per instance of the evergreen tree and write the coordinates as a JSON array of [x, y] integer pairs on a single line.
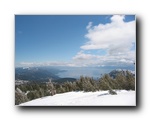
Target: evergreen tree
[[106, 83], [20, 97], [121, 81], [130, 79], [125, 81]]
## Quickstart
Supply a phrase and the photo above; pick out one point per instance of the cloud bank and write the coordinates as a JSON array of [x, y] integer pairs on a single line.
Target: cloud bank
[[116, 38]]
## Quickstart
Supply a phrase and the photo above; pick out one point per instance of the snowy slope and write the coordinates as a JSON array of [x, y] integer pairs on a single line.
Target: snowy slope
[[99, 98]]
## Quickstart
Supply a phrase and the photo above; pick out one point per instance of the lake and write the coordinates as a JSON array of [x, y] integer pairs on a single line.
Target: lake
[[95, 72]]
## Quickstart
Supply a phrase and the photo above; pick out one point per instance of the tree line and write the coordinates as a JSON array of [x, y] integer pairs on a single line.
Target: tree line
[[30, 91]]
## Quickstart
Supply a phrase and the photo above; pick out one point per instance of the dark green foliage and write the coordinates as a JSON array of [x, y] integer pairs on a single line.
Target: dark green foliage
[[130, 81], [62, 80], [107, 83], [125, 82], [86, 84], [20, 97], [34, 90], [121, 81], [51, 88], [114, 73], [60, 89], [32, 95]]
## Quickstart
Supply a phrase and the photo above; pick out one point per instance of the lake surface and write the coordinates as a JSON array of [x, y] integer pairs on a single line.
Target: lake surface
[[95, 72]]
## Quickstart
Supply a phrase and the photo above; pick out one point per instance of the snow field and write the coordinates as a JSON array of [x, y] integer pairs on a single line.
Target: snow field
[[99, 98]]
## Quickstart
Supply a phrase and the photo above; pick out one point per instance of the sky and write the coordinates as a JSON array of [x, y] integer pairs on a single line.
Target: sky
[[75, 40]]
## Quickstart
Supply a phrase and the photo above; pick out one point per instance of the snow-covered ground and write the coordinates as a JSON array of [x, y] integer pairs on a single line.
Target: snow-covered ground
[[99, 98]]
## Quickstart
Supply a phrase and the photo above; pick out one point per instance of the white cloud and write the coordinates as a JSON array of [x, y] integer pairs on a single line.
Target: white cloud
[[26, 64], [50, 63], [117, 18], [116, 36], [82, 59], [89, 26], [82, 56]]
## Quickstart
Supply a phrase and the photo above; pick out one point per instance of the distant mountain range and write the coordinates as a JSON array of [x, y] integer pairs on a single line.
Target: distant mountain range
[[46, 73], [36, 73], [114, 73]]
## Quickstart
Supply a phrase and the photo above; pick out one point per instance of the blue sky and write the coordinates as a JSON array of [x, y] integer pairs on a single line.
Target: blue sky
[[74, 40]]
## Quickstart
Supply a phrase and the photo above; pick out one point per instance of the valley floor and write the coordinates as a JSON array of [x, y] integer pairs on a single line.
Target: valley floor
[[99, 98]]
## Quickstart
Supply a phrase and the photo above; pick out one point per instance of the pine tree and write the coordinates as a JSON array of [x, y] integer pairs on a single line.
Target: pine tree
[[20, 97], [130, 81], [125, 81], [121, 81], [105, 82], [50, 88]]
